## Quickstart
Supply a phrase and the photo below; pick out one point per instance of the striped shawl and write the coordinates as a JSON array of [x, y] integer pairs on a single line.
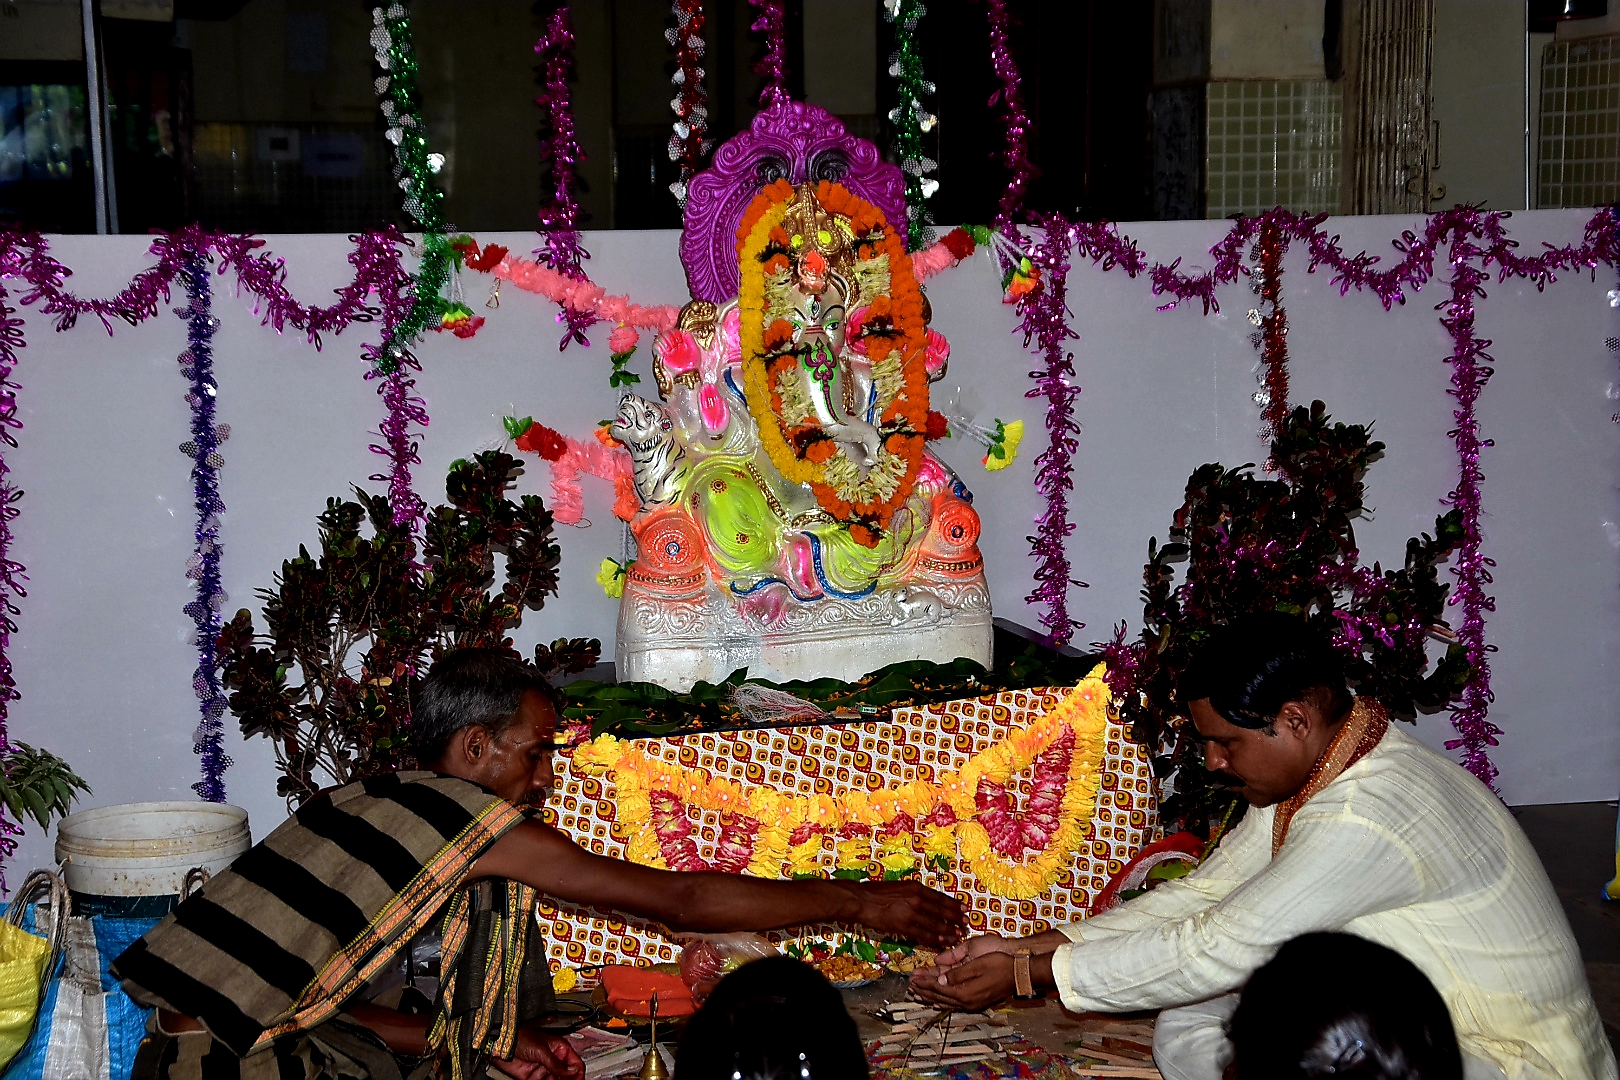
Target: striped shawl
[[280, 942]]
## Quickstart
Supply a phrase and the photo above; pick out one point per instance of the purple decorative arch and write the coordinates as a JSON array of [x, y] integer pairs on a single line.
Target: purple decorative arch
[[792, 140]]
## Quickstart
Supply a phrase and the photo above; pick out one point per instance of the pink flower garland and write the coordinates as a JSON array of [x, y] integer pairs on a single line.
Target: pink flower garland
[[1012, 834], [572, 458], [583, 296], [733, 849]]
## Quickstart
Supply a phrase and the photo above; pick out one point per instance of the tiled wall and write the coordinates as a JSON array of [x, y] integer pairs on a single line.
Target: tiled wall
[[1273, 144], [1578, 161]]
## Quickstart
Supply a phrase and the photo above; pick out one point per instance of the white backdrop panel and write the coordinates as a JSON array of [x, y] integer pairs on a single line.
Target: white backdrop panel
[[103, 658]]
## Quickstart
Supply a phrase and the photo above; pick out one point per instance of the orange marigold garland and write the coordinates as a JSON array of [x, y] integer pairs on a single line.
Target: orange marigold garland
[[894, 334]]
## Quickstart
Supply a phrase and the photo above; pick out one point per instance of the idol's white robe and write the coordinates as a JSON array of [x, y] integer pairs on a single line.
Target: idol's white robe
[[1404, 848]]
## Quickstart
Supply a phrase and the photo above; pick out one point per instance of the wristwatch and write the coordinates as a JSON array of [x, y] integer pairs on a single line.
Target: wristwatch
[[1023, 986]]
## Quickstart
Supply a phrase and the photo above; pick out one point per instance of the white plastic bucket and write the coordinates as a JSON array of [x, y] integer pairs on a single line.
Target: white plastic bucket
[[146, 849]]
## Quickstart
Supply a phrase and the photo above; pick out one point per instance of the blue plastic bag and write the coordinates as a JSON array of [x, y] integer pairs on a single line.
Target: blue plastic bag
[[88, 1029]]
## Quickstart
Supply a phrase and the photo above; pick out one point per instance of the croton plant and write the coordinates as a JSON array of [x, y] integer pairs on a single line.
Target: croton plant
[[347, 633]]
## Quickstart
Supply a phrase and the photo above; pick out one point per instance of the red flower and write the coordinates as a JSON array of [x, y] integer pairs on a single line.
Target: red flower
[[489, 260], [938, 427], [541, 440], [466, 328], [959, 242]]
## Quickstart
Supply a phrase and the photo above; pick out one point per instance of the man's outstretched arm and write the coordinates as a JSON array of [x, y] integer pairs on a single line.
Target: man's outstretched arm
[[542, 857]]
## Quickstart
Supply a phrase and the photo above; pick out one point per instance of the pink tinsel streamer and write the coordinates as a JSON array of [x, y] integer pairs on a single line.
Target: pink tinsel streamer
[[772, 67], [1015, 118], [1046, 325], [585, 296], [559, 217]]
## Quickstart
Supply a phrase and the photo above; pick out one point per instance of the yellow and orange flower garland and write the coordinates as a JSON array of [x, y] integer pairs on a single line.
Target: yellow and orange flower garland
[[868, 502], [893, 828]]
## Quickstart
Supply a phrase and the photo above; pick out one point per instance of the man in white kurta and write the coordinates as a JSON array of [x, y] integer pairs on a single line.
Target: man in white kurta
[[1400, 846], [1403, 848]]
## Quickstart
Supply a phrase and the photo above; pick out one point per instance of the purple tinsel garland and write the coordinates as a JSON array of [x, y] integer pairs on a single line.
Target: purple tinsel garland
[[772, 67], [1472, 569], [376, 259], [1477, 242], [197, 365], [181, 255], [12, 574], [559, 218], [397, 296], [1045, 324], [1015, 118]]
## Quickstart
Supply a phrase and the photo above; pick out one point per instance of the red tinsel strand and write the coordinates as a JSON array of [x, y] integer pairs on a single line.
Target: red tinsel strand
[[687, 145], [1273, 322], [559, 215], [1045, 325], [1015, 119], [772, 67]]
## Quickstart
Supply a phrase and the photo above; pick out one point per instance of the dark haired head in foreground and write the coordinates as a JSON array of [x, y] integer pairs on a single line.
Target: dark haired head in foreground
[[772, 1018], [1342, 1006]]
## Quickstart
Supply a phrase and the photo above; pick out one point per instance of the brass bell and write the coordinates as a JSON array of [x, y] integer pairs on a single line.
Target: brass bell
[[652, 1067]]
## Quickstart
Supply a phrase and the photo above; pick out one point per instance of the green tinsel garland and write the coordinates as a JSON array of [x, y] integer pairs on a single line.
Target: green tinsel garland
[[911, 120], [415, 169]]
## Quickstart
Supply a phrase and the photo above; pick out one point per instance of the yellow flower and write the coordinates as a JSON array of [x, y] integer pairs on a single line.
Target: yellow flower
[[564, 980], [917, 798], [805, 858], [602, 752], [853, 853], [610, 575], [899, 862], [1010, 435], [940, 840], [895, 854]]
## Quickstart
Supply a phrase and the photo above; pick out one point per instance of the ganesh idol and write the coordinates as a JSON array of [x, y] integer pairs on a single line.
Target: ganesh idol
[[793, 521]]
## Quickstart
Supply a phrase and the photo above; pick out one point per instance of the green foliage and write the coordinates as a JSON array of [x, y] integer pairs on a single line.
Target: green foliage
[[38, 783], [621, 375], [348, 632], [634, 709], [1285, 544]]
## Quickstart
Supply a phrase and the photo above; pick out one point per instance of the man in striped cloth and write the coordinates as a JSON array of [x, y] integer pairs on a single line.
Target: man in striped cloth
[[269, 972]]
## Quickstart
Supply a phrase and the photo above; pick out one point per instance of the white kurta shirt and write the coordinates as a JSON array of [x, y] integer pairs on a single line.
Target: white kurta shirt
[[1404, 848]]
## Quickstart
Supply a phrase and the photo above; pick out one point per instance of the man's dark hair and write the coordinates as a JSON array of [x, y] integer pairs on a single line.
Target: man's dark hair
[[772, 1018], [471, 686], [1253, 666], [1342, 1006]]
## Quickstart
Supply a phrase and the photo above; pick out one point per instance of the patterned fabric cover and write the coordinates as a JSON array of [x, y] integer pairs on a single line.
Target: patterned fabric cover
[[916, 744]]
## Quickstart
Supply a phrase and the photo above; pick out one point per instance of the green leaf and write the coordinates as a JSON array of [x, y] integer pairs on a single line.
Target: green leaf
[[849, 874], [516, 427], [866, 951]]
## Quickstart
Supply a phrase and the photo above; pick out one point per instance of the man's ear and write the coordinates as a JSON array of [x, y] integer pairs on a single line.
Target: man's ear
[[1295, 719], [472, 741]]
